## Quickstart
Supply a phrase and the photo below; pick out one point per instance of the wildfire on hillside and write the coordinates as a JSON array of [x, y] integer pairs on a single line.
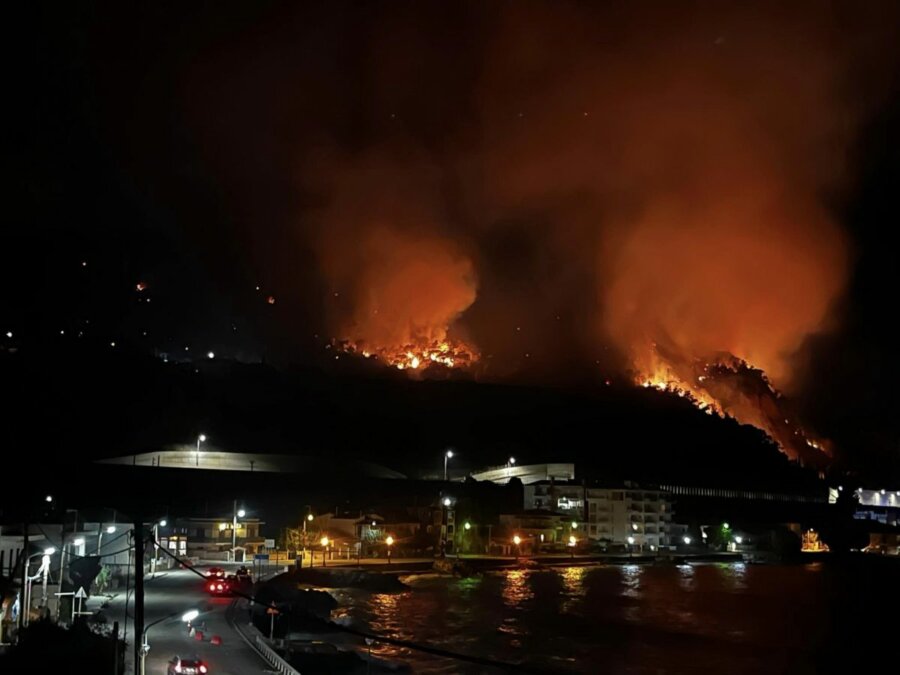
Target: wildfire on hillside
[[725, 385], [419, 356]]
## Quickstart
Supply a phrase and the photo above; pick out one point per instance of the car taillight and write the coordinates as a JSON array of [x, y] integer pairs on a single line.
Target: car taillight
[[219, 587], [212, 587], [202, 668]]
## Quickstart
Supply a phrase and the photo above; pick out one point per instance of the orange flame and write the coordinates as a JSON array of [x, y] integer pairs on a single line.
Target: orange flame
[[420, 356], [730, 387]]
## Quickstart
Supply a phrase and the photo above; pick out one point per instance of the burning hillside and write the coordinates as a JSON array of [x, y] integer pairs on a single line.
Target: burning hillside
[[728, 386], [419, 356]]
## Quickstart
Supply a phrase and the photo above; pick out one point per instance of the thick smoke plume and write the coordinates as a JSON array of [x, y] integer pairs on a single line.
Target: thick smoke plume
[[656, 181], [395, 284]]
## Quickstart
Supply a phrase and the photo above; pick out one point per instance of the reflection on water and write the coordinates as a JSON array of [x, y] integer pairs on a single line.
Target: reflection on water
[[516, 590], [714, 618]]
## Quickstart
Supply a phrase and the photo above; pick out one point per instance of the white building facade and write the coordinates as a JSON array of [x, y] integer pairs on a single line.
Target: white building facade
[[627, 515]]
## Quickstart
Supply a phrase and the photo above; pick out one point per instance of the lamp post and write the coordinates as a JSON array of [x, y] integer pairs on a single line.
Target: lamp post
[[44, 569], [308, 519], [237, 513], [187, 617], [200, 439], [154, 559], [109, 530], [445, 524], [447, 455], [390, 542], [324, 542], [511, 462], [517, 540]]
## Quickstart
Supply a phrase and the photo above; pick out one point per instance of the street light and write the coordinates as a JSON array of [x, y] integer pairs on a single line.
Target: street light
[[726, 526], [572, 542], [154, 561], [447, 455], [447, 501], [49, 498], [467, 525], [187, 617], [686, 540], [389, 540], [517, 540], [324, 542], [109, 530], [200, 439], [44, 569], [237, 513], [509, 464]]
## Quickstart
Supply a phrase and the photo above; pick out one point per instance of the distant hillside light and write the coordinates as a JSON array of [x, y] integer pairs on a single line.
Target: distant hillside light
[[9, 333], [211, 355], [48, 498]]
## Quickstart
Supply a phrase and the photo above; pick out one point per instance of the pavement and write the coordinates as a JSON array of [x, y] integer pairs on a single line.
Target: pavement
[[174, 592]]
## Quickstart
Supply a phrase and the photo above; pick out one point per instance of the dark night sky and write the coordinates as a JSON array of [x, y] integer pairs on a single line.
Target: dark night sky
[[196, 146]]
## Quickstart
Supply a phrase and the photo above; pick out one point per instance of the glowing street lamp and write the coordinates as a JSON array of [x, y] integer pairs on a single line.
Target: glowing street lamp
[[236, 513], [467, 525], [389, 540], [447, 455], [200, 439], [109, 530], [686, 540], [447, 501], [517, 540], [187, 617], [324, 542], [738, 539]]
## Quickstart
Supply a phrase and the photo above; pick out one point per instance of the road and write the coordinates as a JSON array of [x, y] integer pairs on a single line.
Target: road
[[174, 592]]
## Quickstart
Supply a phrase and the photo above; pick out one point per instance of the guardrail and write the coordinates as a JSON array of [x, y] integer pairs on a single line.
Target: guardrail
[[258, 642], [273, 658]]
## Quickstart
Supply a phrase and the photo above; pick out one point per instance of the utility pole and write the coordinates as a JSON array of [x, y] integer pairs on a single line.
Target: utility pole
[[23, 608], [138, 590], [115, 637]]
